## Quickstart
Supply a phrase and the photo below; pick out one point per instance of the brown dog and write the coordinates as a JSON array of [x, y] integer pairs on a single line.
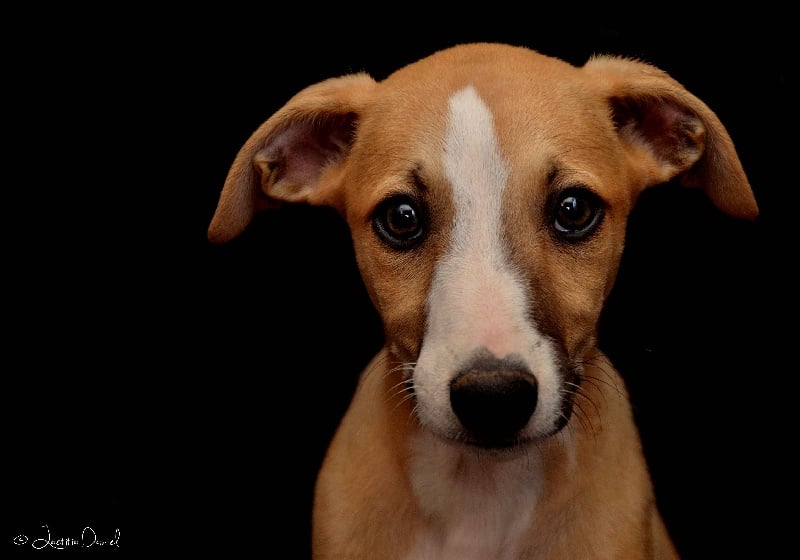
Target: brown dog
[[487, 189]]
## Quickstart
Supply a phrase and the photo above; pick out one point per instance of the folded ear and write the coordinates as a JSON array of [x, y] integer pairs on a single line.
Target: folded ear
[[672, 133], [294, 155]]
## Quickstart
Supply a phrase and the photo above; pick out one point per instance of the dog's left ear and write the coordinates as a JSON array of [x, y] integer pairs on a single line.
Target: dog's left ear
[[294, 156], [671, 133]]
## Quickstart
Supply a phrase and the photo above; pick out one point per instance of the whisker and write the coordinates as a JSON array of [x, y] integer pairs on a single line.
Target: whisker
[[607, 369], [580, 412], [403, 389]]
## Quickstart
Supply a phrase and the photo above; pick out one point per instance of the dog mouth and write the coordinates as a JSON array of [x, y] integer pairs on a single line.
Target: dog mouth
[[502, 441], [493, 408]]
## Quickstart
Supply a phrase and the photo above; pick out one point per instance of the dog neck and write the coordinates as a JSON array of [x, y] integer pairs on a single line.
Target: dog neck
[[475, 504]]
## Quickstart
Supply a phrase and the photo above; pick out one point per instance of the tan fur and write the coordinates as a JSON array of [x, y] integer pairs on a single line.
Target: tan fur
[[619, 125]]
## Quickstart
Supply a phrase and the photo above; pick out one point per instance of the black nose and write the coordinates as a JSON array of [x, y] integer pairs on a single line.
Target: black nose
[[493, 403]]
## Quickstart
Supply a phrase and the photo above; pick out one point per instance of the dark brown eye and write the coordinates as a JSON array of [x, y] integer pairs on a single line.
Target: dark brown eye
[[399, 221], [577, 213]]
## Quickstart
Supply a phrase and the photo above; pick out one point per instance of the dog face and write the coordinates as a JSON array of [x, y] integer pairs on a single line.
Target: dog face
[[489, 240], [487, 188]]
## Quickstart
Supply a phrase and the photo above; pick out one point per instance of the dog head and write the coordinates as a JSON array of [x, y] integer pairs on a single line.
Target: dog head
[[487, 188]]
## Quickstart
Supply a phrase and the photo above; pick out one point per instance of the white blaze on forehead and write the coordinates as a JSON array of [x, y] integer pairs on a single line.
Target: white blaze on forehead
[[473, 285], [476, 170], [477, 300]]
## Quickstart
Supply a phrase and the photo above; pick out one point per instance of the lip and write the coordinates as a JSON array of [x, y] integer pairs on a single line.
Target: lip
[[495, 448]]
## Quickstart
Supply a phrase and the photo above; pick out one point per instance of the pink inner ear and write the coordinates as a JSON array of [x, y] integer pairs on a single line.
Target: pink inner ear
[[306, 148], [675, 136]]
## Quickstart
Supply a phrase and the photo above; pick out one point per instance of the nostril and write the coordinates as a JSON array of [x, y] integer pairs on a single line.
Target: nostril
[[495, 404]]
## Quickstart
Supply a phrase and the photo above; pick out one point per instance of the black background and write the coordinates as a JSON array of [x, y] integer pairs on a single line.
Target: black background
[[184, 393]]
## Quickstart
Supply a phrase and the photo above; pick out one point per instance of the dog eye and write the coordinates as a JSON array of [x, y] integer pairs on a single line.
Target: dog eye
[[577, 213], [398, 220]]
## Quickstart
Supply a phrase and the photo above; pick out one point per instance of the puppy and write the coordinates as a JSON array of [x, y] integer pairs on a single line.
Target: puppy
[[486, 188]]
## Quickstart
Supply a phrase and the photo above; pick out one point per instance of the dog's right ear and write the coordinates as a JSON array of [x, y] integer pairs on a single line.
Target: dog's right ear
[[294, 156], [673, 134]]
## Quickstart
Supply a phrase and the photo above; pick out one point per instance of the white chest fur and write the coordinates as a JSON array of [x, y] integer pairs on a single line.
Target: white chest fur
[[475, 506]]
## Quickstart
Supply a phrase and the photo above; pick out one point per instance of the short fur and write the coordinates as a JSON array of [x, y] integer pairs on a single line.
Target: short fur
[[412, 472]]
